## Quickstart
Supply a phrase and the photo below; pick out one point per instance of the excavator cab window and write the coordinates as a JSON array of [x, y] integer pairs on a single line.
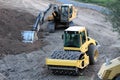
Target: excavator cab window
[[71, 10], [65, 10], [71, 39]]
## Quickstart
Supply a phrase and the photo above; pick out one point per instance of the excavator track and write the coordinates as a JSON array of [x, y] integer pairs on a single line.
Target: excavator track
[[65, 55]]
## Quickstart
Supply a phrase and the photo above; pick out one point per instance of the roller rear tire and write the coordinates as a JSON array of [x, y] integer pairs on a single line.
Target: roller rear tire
[[93, 54]]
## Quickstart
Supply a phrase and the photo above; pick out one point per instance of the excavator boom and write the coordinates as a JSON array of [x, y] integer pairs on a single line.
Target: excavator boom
[[31, 36]]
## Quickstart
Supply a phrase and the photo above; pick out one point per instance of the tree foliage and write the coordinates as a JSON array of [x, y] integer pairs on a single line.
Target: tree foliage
[[114, 17], [114, 7]]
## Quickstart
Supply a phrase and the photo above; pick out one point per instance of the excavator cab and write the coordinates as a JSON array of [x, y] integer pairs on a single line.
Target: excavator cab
[[66, 12]]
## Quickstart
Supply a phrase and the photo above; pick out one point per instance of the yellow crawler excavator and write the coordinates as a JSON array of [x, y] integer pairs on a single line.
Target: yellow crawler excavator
[[79, 51], [56, 15]]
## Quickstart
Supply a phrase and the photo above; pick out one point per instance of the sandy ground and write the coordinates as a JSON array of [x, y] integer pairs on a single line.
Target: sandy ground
[[31, 66]]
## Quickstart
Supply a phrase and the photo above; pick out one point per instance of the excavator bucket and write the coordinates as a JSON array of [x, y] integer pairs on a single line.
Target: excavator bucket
[[29, 36]]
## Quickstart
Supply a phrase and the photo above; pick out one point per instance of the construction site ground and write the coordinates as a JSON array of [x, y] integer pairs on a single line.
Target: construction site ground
[[26, 61]]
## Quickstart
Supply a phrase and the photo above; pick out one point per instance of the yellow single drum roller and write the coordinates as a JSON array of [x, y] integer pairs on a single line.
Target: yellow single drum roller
[[79, 51]]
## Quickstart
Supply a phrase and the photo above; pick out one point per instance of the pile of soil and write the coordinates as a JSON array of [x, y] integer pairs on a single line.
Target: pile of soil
[[12, 22]]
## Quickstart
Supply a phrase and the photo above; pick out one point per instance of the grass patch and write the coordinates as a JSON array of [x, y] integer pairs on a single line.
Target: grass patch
[[99, 2]]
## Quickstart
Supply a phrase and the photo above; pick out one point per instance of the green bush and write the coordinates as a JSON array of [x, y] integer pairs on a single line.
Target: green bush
[[114, 6], [99, 2], [114, 17]]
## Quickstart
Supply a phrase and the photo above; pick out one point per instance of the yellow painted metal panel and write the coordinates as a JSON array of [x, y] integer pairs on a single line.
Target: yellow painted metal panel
[[72, 48], [73, 63], [60, 62]]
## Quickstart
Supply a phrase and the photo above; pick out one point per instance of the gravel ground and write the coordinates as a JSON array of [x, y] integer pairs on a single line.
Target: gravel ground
[[31, 66]]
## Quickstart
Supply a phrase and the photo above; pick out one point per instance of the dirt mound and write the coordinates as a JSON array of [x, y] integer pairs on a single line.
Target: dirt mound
[[12, 22]]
